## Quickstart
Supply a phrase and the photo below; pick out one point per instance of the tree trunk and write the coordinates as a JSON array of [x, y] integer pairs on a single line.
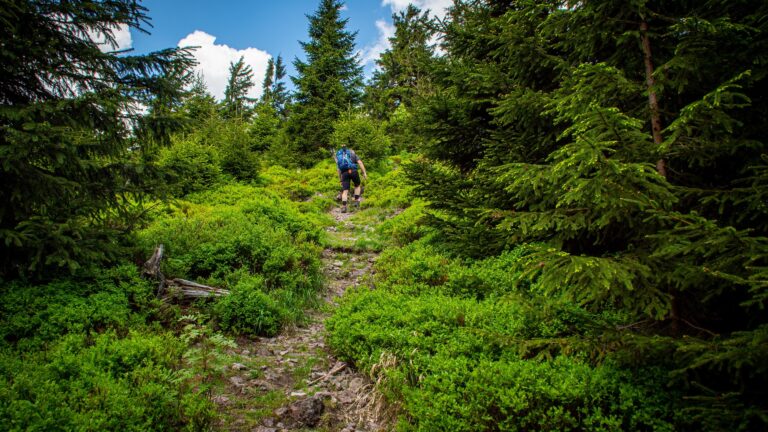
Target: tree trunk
[[653, 102]]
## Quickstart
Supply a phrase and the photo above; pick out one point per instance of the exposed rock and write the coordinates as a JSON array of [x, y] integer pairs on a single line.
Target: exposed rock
[[237, 381], [238, 366], [307, 412], [220, 400]]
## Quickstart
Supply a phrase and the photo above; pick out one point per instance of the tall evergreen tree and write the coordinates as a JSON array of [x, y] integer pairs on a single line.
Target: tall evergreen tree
[[274, 92], [199, 104], [604, 132], [269, 80], [328, 82], [236, 100], [69, 117], [280, 95], [403, 68]]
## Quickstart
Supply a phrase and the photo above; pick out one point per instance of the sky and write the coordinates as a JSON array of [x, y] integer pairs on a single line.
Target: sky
[[258, 30]]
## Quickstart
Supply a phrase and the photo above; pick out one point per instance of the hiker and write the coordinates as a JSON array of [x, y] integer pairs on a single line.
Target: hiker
[[346, 166]]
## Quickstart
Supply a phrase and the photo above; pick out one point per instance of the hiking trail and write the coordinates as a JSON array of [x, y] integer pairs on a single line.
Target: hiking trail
[[291, 382]]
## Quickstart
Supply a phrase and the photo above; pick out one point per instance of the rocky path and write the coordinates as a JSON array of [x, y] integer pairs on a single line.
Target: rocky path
[[291, 382]]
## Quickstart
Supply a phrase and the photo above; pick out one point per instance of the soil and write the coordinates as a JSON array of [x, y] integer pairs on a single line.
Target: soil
[[291, 382]]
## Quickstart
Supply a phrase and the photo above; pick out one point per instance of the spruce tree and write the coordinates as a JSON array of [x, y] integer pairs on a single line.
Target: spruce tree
[[280, 96], [274, 92], [199, 105], [634, 159], [266, 85], [73, 172], [236, 100], [328, 82], [403, 69]]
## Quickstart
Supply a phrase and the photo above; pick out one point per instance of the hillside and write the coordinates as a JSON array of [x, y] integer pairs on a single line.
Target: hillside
[[562, 223]]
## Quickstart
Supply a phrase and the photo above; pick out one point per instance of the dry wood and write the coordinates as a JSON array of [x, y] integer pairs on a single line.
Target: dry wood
[[176, 288], [330, 373], [196, 290]]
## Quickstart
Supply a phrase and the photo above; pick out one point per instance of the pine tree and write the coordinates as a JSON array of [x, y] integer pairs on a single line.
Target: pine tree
[[274, 92], [404, 68], [266, 85], [328, 82], [199, 105], [280, 95], [73, 173], [605, 133], [236, 100]]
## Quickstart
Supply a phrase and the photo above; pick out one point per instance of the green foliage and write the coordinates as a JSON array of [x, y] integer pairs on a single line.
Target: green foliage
[[236, 102], [327, 84], [234, 143], [249, 240], [362, 134], [191, 165], [34, 315], [406, 227], [70, 184], [403, 69], [605, 134], [205, 353], [264, 127], [313, 186], [249, 310], [99, 382], [463, 364]]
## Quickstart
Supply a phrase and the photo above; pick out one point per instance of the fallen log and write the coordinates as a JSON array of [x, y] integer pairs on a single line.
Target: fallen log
[[176, 288], [195, 290]]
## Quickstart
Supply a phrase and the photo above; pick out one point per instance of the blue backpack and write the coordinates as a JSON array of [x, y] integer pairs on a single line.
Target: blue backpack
[[344, 160]]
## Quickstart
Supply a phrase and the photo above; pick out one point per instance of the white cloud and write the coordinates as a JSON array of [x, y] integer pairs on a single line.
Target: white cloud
[[437, 7], [213, 61], [122, 35], [372, 52]]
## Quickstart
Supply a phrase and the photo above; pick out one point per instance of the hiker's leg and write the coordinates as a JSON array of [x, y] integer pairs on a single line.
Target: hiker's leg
[[345, 191], [358, 184], [356, 180]]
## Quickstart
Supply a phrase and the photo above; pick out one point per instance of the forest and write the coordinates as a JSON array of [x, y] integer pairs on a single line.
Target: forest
[[565, 225]]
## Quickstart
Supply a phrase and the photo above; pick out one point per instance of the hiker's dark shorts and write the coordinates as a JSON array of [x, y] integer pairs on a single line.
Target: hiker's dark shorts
[[346, 176]]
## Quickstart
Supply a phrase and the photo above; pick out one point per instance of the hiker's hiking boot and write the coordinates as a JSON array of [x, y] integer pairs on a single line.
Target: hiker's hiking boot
[[357, 205], [344, 209]]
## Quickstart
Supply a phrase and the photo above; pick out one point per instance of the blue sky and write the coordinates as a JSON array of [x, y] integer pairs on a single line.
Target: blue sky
[[258, 30]]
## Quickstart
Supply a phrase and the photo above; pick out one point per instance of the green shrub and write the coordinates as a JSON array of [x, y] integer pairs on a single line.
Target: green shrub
[[36, 314], [320, 181], [248, 239], [463, 394], [234, 144], [405, 227], [390, 190], [192, 165], [468, 365], [249, 310], [209, 242], [364, 135], [98, 382]]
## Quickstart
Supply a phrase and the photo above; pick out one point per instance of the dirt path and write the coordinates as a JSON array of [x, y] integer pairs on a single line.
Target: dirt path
[[291, 382]]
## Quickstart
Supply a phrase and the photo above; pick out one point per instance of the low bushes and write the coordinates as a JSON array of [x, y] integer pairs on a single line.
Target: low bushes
[[247, 239], [468, 346], [81, 354], [95, 382]]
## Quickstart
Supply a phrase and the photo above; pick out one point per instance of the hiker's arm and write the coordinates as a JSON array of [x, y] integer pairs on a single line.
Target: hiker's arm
[[362, 168]]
